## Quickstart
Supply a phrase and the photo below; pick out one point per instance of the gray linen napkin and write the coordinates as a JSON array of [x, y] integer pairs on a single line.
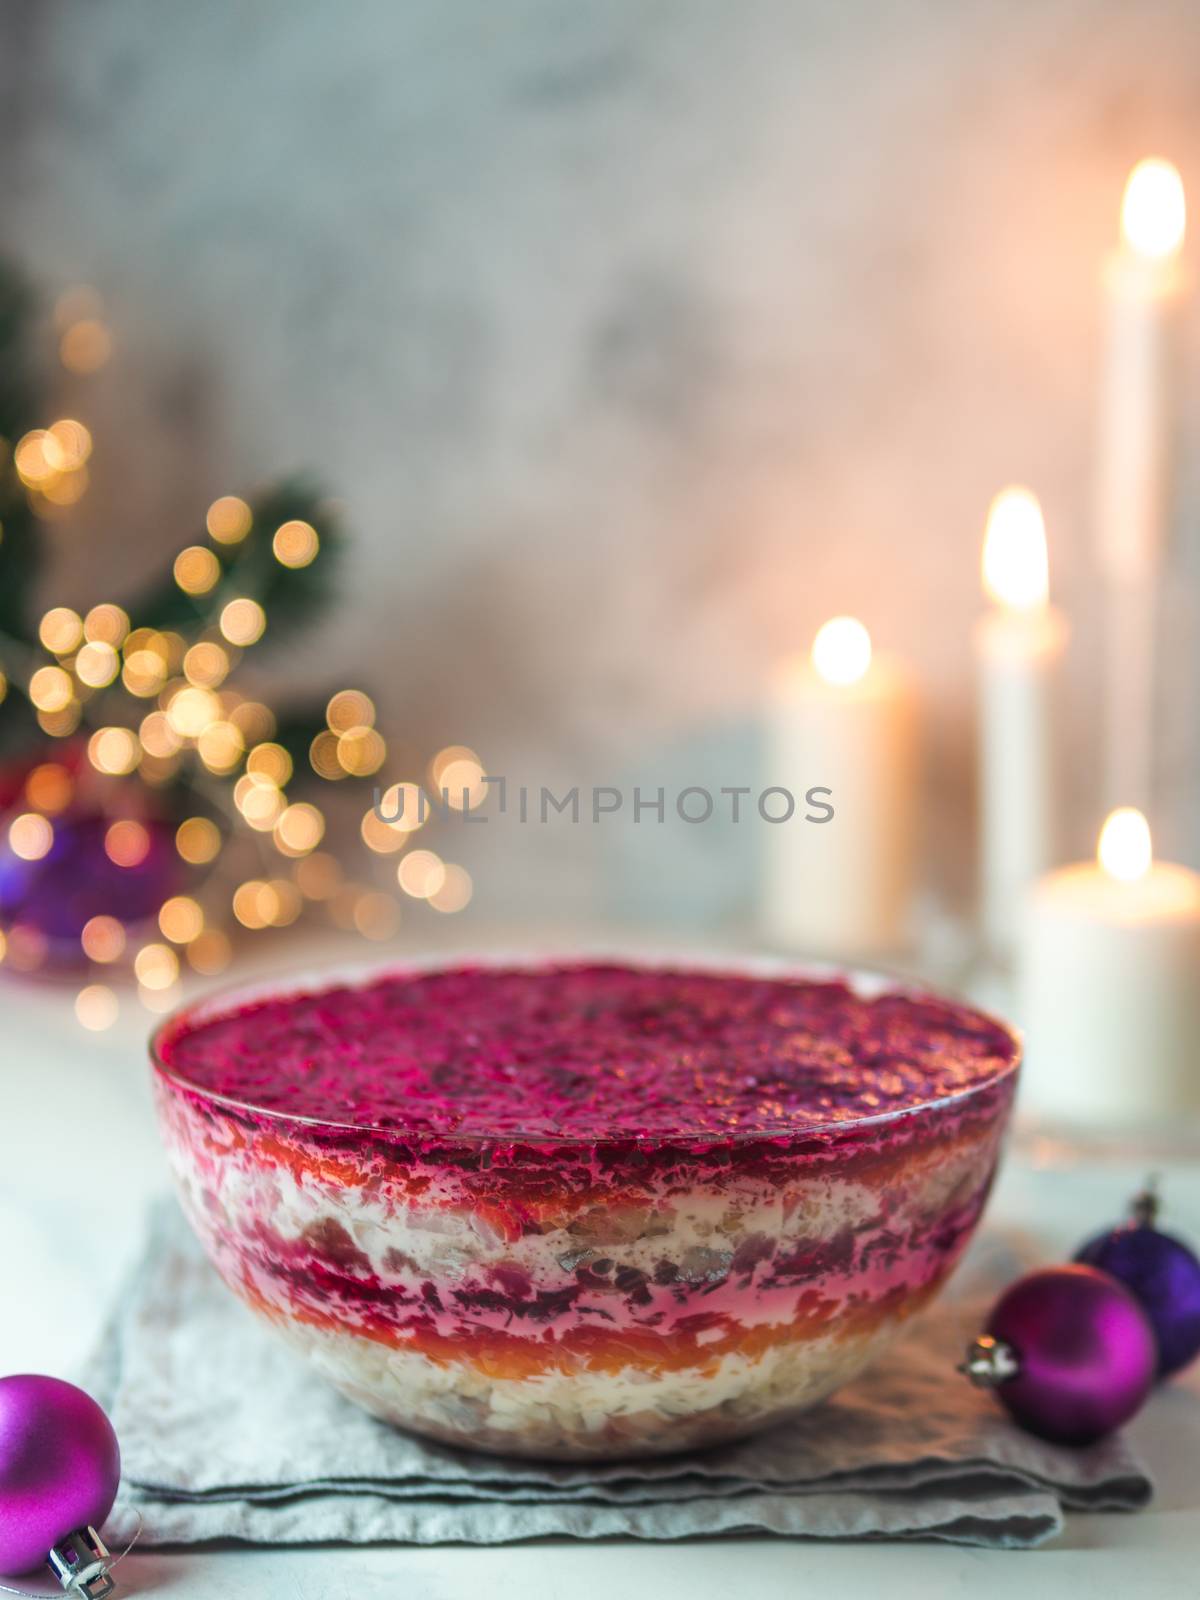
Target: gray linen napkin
[[225, 1433]]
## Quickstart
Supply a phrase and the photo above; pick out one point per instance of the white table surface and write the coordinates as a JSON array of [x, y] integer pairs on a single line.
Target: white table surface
[[79, 1158]]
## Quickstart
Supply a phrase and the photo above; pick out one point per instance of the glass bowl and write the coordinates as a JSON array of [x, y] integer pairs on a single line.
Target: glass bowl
[[572, 1298]]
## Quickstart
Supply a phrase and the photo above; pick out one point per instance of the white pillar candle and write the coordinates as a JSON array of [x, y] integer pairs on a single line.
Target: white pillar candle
[[1109, 987], [1019, 646], [842, 719], [1144, 287]]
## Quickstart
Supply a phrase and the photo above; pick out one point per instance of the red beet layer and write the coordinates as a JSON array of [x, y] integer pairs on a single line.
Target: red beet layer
[[588, 1052]]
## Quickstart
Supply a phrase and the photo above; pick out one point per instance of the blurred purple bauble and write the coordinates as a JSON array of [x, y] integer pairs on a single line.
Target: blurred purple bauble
[[1162, 1274], [77, 880], [1083, 1352], [59, 1467]]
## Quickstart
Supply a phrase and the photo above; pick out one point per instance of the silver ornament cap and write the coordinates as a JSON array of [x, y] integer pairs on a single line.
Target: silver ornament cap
[[81, 1564], [990, 1362]]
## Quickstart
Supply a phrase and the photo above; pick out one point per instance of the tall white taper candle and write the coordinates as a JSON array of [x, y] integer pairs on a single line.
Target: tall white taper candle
[[1144, 287], [1019, 645]]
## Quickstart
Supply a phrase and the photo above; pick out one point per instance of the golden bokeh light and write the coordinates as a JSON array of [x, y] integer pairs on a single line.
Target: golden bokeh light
[[196, 569], [349, 709], [158, 738], [288, 902], [323, 757], [261, 804], [30, 836], [458, 781], [51, 689], [142, 639], [127, 842], [376, 916], [60, 724], [65, 489], [97, 664], [451, 756], [270, 761], [385, 838], [168, 647], [156, 966], [58, 493], [114, 751], [180, 919], [295, 544], [421, 874], [67, 445], [193, 709], [106, 624], [61, 630], [228, 520], [319, 876], [144, 673], [49, 788], [455, 892], [96, 1007], [29, 458], [85, 346], [254, 721], [299, 829], [243, 621], [210, 952], [103, 939], [403, 805], [361, 751], [220, 747], [255, 904], [198, 840], [206, 664]]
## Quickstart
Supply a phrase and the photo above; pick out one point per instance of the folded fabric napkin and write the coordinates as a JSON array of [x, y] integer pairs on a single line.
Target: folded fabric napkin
[[226, 1434]]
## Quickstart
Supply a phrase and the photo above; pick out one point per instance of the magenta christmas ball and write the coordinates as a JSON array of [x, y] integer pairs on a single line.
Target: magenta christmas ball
[[1069, 1352], [59, 1467]]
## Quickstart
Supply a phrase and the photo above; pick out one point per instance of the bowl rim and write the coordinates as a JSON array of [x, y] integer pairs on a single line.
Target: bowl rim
[[865, 982]]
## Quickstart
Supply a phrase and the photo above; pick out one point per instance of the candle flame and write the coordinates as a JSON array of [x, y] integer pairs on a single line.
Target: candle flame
[[1154, 211], [1124, 849], [841, 651], [1016, 569]]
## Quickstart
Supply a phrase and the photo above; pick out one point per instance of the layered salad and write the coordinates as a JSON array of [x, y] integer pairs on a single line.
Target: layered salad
[[589, 1209]]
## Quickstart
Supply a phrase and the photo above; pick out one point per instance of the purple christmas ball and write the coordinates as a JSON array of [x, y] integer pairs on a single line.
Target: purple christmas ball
[[59, 1467], [1163, 1275], [58, 894], [1083, 1350]]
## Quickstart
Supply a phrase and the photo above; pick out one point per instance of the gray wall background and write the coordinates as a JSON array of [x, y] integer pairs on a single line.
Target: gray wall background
[[637, 338]]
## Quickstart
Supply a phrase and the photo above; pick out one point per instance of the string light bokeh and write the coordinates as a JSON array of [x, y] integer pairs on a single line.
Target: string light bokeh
[[159, 742]]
